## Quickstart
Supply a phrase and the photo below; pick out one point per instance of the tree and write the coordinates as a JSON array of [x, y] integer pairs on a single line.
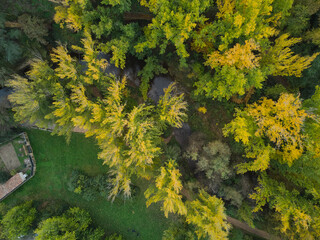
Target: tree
[[167, 189], [152, 68], [4, 176], [106, 20], [18, 221], [71, 225], [282, 60], [299, 216], [281, 136], [128, 136], [269, 130], [174, 23], [207, 215], [240, 53], [31, 99], [172, 107]]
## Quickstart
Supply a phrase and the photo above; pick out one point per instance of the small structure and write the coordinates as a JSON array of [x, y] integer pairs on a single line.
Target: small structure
[[13, 183], [16, 152]]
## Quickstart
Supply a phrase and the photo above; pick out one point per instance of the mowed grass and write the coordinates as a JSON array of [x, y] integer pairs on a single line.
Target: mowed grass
[[55, 160]]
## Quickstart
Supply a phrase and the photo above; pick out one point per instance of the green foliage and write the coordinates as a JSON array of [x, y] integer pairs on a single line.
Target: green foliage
[[33, 27], [31, 99], [10, 50], [245, 214], [95, 234], [88, 187], [283, 62], [275, 91], [152, 68], [172, 107], [174, 22], [299, 217], [129, 137], [115, 236], [179, 231], [71, 225], [106, 20], [212, 159], [6, 120], [18, 221], [232, 195]]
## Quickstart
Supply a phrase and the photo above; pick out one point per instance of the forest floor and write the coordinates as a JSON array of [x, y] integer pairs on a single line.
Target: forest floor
[[55, 161]]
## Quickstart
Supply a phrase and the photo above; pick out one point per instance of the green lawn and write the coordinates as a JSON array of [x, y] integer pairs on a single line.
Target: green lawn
[[56, 159]]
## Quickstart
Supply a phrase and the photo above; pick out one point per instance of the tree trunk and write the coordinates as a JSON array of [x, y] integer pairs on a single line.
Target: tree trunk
[[168, 139], [245, 99], [254, 231], [9, 24]]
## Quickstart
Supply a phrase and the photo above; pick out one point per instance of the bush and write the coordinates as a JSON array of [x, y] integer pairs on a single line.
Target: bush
[[212, 159], [88, 187], [232, 195]]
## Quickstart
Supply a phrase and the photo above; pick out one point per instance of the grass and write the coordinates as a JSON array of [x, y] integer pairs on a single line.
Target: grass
[[55, 160]]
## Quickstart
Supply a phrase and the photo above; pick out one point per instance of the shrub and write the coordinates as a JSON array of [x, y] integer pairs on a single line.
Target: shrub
[[88, 187], [213, 158], [232, 195]]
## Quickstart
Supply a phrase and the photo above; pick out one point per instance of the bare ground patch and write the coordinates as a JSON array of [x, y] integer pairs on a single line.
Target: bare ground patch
[[9, 157]]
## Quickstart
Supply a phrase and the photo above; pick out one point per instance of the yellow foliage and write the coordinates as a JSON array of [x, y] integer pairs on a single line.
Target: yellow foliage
[[167, 189], [202, 110], [240, 56], [283, 61], [281, 122], [208, 216], [269, 130]]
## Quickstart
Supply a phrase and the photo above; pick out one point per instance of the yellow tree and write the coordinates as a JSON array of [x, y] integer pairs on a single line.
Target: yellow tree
[[207, 214], [167, 189], [269, 130]]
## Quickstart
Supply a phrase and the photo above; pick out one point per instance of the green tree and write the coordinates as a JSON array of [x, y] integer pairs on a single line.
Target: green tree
[[174, 22], [71, 225], [105, 20], [241, 52], [18, 221], [128, 136], [299, 217]]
